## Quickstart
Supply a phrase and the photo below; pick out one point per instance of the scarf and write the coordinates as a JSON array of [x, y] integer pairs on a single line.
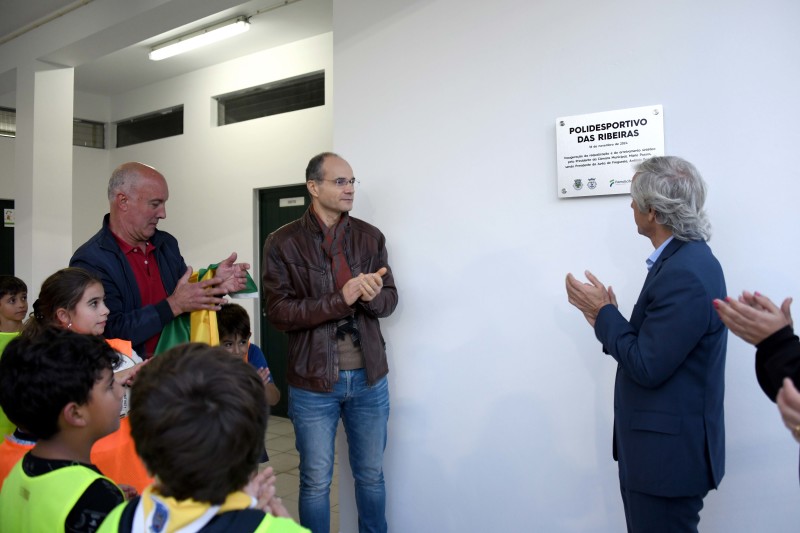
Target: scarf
[[333, 246], [162, 514]]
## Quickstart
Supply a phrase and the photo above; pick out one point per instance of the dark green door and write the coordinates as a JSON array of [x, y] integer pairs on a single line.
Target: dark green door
[[7, 241], [276, 208]]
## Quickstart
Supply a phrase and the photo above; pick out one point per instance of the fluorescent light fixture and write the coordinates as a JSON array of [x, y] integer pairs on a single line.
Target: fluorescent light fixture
[[200, 38]]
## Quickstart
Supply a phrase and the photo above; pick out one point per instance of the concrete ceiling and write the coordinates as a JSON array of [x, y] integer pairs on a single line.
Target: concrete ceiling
[[124, 66], [20, 14]]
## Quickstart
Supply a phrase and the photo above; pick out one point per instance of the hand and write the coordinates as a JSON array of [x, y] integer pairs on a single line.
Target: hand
[[263, 373], [272, 393], [233, 276], [128, 491], [276, 508], [789, 406], [589, 298], [612, 296], [189, 297], [262, 488], [753, 317], [364, 286], [761, 302], [128, 376], [371, 284]]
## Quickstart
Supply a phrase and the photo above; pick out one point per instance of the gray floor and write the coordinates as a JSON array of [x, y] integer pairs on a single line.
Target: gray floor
[[284, 460]]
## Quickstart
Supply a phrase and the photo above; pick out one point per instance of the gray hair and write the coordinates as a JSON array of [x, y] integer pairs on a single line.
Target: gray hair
[[675, 190], [123, 177], [314, 168]]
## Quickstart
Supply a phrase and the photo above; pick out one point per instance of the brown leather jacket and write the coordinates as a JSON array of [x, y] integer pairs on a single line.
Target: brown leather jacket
[[302, 300]]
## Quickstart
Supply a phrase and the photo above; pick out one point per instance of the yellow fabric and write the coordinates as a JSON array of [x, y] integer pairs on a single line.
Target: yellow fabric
[[42, 503], [183, 513], [197, 326], [204, 323]]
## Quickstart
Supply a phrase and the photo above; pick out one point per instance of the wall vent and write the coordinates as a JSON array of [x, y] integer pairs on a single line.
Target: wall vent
[[8, 122], [282, 96], [88, 133], [150, 127]]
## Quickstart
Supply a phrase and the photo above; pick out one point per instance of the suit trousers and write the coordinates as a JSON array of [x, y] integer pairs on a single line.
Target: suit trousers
[[645, 513]]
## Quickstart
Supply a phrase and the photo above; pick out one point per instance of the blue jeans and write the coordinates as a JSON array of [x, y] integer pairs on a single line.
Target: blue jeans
[[364, 411]]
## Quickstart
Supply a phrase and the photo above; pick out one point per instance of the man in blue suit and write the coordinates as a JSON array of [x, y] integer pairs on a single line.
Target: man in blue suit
[[669, 431]]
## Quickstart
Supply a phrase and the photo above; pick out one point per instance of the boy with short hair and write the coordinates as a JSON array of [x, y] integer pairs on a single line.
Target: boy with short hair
[[198, 419], [233, 323], [60, 387], [13, 304]]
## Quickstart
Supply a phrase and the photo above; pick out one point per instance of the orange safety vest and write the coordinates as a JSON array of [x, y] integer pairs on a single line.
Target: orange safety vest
[[10, 454], [115, 454]]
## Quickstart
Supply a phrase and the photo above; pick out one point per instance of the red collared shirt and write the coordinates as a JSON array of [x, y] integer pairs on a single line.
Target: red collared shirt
[[148, 279]]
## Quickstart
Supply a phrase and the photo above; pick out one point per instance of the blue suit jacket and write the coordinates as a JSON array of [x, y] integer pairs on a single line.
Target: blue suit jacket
[[102, 256], [669, 430]]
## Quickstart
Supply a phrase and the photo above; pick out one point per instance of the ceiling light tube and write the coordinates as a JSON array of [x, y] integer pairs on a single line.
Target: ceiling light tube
[[200, 38]]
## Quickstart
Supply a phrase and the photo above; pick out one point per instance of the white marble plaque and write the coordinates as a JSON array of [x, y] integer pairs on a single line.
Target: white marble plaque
[[597, 153]]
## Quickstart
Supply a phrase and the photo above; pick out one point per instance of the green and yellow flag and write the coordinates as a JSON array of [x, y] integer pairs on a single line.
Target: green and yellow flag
[[199, 326]]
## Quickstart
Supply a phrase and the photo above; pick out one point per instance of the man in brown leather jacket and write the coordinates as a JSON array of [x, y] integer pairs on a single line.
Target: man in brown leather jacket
[[327, 282]]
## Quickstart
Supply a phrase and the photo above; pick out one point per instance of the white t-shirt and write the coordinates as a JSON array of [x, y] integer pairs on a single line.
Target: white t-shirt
[[125, 363]]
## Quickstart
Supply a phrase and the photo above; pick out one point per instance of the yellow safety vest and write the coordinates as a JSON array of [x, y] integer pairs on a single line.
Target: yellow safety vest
[[270, 524], [42, 503], [7, 427]]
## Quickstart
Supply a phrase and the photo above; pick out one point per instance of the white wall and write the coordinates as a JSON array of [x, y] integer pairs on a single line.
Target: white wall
[[91, 165], [7, 155], [88, 163], [7, 168], [213, 172], [501, 398], [90, 172], [91, 168]]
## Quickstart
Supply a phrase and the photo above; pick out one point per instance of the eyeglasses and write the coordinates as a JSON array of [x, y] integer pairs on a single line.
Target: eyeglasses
[[342, 182]]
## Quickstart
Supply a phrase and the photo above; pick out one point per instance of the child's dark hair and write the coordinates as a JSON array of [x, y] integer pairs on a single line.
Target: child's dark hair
[[62, 290], [198, 419], [40, 375], [233, 319], [11, 285]]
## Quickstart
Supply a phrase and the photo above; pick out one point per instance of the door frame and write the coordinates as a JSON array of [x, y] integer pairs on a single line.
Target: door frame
[[269, 203]]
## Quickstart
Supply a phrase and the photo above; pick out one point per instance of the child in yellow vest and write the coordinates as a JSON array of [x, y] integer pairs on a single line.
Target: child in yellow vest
[[59, 386], [198, 418], [13, 310]]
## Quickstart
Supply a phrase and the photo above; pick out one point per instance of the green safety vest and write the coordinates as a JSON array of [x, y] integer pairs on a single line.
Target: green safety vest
[[7, 427], [42, 503]]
